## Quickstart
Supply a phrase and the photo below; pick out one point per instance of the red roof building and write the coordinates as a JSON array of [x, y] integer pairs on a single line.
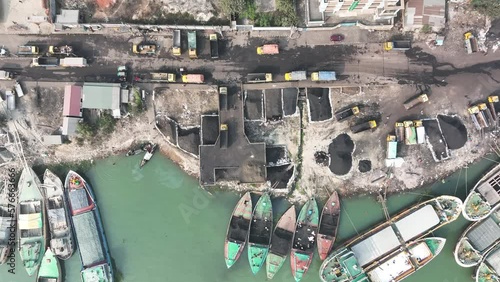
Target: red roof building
[[72, 101]]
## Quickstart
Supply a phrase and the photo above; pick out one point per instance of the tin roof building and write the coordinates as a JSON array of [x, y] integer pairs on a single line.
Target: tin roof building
[[420, 13], [70, 124], [72, 101], [102, 96]]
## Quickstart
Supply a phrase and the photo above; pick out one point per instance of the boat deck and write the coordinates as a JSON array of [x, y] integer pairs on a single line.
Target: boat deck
[[375, 246], [281, 242], [485, 234], [78, 199], [329, 223], [238, 229], [393, 269], [418, 222], [493, 260], [5, 221], [305, 238], [88, 238], [490, 190], [260, 231]]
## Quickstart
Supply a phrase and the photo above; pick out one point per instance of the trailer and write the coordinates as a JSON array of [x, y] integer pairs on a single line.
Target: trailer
[[419, 127], [323, 76], [163, 77], [392, 147], [364, 126], [19, 90], [71, 62], [11, 100], [399, 128], [493, 102], [268, 49], [487, 114], [144, 49], [6, 75], [214, 46], [473, 111], [470, 42], [61, 50], [346, 113], [259, 77], [399, 45], [28, 50], [296, 75], [192, 44], [410, 133], [415, 101], [45, 62], [193, 78], [176, 46]]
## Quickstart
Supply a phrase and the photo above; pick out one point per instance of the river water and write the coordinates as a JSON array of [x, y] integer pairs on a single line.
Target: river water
[[162, 227]]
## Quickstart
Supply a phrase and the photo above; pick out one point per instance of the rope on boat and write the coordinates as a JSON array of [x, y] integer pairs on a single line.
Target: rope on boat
[[466, 190], [348, 217], [458, 180]]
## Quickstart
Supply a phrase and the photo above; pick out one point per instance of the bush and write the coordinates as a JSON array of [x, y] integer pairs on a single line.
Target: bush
[[285, 13], [136, 106], [86, 130], [488, 7], [231, 7], [426, 29], [106, 123]]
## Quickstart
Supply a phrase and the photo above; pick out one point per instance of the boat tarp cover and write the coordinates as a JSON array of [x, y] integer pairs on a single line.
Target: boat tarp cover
[[489, 193], [78, 199], [417, 222], [494, 260], [30, 221], [57, 218], [390, 269], [484, 235], [89, 241], [375, 246], [4, 229]]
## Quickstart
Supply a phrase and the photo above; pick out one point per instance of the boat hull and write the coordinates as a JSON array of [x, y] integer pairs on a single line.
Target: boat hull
[[325, 244], [477, 207], [273, 264], [281, 242], [49, 268], [328, 225], [300, 263], [259, 236], [237, 230], [232, 252], [257, 256]]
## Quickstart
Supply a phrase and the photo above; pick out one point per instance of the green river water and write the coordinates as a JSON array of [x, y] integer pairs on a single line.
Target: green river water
[[162, 227]]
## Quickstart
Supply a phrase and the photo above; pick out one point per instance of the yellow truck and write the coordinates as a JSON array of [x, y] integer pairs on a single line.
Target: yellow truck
[[144, 49], [371, 124], [163, 77], [176, 46], [268, 49], [415, 101]]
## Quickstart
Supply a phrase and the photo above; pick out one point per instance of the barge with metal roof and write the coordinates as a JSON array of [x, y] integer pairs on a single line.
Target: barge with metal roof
[[484, 197], [477, 240], [489, 269], [347, 263]]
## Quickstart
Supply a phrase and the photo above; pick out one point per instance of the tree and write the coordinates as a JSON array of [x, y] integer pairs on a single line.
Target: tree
[[231, 7], [488, 7]]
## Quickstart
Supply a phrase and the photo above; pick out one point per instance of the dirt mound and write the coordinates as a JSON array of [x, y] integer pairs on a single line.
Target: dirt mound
[[340, 151], [321, 158], [103, 4], [454, 131], [365, 165]]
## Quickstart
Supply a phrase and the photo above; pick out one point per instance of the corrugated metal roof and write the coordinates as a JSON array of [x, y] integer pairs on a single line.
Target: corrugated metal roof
[[70, 125], [103, 96], [72, 101], [494, 260], [375, 246], [68, 17], [484, 234], [88, 239], [417, 222], [489, 193]]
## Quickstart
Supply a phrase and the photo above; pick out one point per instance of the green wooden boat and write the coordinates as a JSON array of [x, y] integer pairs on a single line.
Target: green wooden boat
[[281, 242], [237, 230], [31, 217], [49, 271], [259, 237]]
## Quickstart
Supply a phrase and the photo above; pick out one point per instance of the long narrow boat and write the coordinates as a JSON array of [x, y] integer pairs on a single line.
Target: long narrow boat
[[50, 270], [484, 197], [31, 233], [304, 239], [89, 231], [259, 237], [150, 150], [347, 262], [237, 230], [404, 263], [478, 239], [62, 241], [7, 222], [281, 241], [489, 269], [328, 225]]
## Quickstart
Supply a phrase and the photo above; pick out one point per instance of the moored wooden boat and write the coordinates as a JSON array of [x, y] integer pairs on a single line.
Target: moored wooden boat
[[89, 230], [489, 269], [62, 242], [259, 236], [7, 222], [31, 233], [237, 230], [150, 150], [281, 242], [304, 239], [328, 225], [484, 197], [50, 270]]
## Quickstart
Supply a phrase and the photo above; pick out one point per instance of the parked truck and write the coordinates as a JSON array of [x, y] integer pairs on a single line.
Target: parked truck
[[11, 100], [487, 114], [364, 126], [470, 42], [399, 128], [392, 147], [259, 77], [193, 78], [45, 62], [192, 45], [493, 103], [419, 127], [268, 49], [176, 46], [144, 49], [476, 117], [163, 77], [410, 133], [214, 46], [415, 101], [72, 62], [28, 50], [19, 90], [6, 75], [346, 113], [61, 50], [323, 76], [296, 75], [399, 45]]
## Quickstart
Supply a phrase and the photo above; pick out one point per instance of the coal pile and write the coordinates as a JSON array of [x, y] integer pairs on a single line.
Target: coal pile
[[454, 131], [290, 96], [209, 129], [319, 104], [189, 140], [340, 151], [364, 165], [322, 158], [254, 102], [280, 176], [274, 104]]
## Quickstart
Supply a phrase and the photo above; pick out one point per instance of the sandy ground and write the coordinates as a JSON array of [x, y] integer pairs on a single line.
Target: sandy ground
[[27, 16]]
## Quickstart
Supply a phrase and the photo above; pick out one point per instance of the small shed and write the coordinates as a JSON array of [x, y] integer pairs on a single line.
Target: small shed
[[52, 139], [70, 125], [72, 101], [68, 17], [11, 100]]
